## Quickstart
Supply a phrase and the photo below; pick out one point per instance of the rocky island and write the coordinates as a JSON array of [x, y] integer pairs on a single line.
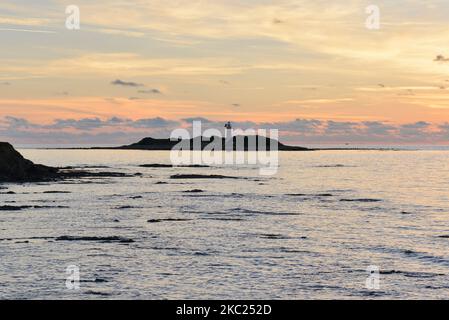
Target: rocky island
[[239, 143]]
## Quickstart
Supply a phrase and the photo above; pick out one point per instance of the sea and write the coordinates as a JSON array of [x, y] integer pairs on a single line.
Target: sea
[[330, 224]]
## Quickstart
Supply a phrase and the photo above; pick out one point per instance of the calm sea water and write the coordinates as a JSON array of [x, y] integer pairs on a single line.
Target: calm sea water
[[238, 239]]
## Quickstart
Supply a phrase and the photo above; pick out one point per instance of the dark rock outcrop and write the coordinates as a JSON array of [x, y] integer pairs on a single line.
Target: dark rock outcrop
[[15, 168]]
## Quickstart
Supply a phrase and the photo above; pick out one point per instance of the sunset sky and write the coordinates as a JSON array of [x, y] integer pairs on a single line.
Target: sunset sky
[[144, 67]]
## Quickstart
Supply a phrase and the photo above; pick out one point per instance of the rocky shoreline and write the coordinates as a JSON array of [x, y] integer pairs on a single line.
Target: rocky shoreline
[[14, 168]]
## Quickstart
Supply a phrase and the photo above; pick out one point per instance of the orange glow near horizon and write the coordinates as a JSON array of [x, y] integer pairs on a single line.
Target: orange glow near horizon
[[227, 61]]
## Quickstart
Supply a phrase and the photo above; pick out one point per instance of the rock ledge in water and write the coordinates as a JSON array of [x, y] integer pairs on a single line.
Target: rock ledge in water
[[15, 168]]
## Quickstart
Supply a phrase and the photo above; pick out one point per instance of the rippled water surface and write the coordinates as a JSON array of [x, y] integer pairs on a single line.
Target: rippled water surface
[[311, 231]]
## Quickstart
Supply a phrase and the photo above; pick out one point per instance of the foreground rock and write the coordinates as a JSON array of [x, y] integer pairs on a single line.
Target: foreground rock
[[15, 168]]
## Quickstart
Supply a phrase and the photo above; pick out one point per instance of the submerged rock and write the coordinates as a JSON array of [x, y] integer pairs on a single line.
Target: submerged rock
[[19, 208], [201, 176], [126, 207], [310, 195], [167, 220], [97, 293], [13, 208], [73, 174], [360, 200], [95, 280], [100, 239], [55, 192], [273, 236], [158, 165]]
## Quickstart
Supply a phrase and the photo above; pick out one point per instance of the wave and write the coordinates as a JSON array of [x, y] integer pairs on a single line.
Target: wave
[[422, 256]]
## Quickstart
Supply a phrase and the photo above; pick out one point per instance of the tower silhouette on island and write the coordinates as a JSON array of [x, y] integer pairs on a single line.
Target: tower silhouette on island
[[229, 137], [228, 142]]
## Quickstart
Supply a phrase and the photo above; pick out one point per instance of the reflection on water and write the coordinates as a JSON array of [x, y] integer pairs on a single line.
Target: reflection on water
[[311, 231]]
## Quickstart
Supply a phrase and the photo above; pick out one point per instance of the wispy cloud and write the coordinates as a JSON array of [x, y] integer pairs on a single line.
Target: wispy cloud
[[119, 32], [20, 21], [441, 58], [27, 30], [319, 101], [150, 91], [119, 82]]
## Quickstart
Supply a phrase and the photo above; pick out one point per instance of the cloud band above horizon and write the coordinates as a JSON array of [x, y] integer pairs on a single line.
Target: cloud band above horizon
[[117, 130]]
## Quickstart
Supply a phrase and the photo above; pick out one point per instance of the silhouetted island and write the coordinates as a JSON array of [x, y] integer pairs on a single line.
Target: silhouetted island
[[202, 142]]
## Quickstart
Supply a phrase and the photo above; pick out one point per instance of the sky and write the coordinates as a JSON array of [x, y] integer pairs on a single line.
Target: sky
[[311, 69]]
